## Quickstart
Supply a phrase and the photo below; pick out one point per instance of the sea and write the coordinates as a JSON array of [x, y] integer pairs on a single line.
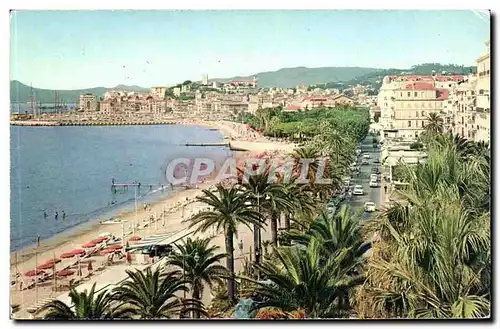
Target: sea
[[70, 170]]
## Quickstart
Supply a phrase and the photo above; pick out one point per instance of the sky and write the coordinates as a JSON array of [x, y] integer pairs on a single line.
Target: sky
[[84, 49]]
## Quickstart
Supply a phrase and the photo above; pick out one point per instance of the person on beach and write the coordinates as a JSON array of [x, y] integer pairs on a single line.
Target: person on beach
[[144, 206], [64, 214], [44, 214], [56, 215]]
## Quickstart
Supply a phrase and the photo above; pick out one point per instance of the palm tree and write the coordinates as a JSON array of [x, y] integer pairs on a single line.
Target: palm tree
[[200, 265], [84, 306], [435, 255], [434, 124], [270, 198], [301, 282], [151, 294], [230, 208]]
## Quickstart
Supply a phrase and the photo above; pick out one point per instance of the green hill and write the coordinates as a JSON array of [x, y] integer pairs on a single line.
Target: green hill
[[20, 92], [291, 77]]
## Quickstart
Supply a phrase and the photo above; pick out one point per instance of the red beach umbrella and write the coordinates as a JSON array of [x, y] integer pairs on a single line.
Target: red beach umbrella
[[53, 261], [34, 272], [90, 244], [135, 238], [107, 251], [100, 239], [78, 252], [65, 273], [114, 247], [46, 266], [67, 255]]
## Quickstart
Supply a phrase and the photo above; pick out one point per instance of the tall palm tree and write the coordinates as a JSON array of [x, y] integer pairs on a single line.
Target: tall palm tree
[[151, 294], [200, 265], [270, 198], [230, 208], [84, 306]]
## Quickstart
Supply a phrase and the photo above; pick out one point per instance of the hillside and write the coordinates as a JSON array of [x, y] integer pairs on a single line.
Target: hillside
[[291, 77], [21, 92], [375, 78]]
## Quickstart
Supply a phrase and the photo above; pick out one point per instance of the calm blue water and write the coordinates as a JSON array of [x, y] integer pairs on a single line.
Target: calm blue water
[[70, 168]]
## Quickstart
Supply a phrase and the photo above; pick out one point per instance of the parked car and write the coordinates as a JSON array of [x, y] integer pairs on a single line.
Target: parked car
[[358, 190], [365, 162], [370, 206], [366, 156], [373, 183], [376, 160], [374, 177], [375, 170]]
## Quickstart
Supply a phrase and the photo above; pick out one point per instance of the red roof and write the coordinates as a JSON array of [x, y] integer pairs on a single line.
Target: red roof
[[315, 99], [420, 86], [292, 107]]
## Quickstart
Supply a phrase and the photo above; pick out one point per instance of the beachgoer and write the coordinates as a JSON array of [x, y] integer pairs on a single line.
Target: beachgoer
[[44, 214], [150, 187], [56, 216], [240, 245], [63, 214], [385, 188], [144, 205]]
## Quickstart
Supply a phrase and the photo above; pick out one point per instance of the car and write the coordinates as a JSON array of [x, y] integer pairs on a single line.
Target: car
[[366, 156], [376, 160], [370, 206], [374, 177], [373, 183], [358, 190], [365, 162], [375, 170]]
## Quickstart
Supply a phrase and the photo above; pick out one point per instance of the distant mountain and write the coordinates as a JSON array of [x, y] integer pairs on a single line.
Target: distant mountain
[[20, 92], [291, 77]]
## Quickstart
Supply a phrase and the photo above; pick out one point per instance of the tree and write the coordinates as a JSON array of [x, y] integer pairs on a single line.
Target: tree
[[434, 260], [229, 209], [200, 265], [84, 306], [300, 282], [434, 124], [151, 294]]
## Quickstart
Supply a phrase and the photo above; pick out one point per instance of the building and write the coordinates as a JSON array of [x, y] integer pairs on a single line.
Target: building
[[482, 109], [88, 102], [413, 103], [108, 106], [204, 80], [158, 92], [177, 91]]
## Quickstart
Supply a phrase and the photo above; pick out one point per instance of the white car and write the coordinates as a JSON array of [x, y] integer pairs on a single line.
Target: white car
[[374, 177], [373, 183], [358, 190], [366, 156], [370, 206]]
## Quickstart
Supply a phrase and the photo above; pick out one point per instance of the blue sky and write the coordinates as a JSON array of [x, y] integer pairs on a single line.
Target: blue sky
[[80, 49]]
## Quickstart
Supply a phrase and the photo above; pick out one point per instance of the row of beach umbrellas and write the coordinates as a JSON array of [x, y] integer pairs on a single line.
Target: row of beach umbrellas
[[50, 264]]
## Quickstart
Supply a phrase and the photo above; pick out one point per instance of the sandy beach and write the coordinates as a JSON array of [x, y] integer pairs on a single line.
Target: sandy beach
[[177, 207]]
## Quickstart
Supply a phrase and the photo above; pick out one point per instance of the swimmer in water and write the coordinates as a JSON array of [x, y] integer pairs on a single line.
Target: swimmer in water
[[44, 214], [64, 214], [56, 215]]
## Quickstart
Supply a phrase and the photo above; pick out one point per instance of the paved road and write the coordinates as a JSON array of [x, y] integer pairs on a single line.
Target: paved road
[[371, 193]]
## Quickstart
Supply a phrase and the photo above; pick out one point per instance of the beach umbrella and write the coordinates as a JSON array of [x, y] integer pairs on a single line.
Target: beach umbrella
[[78, 252], [53, 261], [67, 255], [107, 251], [135, 238], [99, 240], [46, 266], [90, 244], [115, 247], [34, 272], [65, 273]]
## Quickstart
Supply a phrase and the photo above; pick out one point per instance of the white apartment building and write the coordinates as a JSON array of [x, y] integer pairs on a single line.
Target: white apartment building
[[482, 116], [158, 92]]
